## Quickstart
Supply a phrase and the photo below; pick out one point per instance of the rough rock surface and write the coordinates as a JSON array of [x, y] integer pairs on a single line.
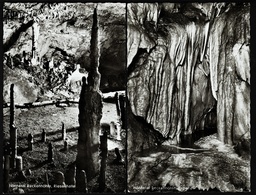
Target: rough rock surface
[[60, 32], [188, 70], [24, 89], [168, 169], [184, 61], [229, 61], [90, 112]]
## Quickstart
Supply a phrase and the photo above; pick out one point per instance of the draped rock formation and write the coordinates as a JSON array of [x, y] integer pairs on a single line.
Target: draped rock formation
[[186, 60]]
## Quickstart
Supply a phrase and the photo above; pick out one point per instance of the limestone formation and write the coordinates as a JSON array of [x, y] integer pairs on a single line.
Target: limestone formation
[[50, 152], [122, 103], [230, 74], [188, 71], [174, 84], [103, 155], [117, 104], [90, 112], [202, 171], [42, 37], [6, 173], [13, 129]]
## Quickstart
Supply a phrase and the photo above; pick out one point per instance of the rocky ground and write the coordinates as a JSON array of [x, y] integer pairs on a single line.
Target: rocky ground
[[49, 118], [213, 166]]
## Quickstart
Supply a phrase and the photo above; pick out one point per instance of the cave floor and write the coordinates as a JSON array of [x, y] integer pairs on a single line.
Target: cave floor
[[49, 118], [216, 167]]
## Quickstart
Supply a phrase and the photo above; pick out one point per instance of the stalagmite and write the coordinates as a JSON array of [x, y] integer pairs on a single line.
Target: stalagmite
[[13, 129], [6, 173], [90, 112], [117, 104], [103, 155], [50, 153], [123, 111]]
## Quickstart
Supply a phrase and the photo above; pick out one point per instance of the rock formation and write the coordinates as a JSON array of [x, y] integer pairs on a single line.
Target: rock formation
[[185, 60], [90, 112], [188, 70], [35, 34]]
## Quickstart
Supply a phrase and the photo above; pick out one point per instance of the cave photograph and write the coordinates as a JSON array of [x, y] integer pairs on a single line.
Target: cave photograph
[[188, 97], [64, 100], [122, 97]]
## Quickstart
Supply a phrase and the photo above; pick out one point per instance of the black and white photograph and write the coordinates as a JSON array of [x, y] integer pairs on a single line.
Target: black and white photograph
[[64, 82], [127, 97], [188, 91]]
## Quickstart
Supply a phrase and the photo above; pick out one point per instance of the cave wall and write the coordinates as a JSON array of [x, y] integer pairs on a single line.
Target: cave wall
[[229, 49], [185, 59], [62, 32]]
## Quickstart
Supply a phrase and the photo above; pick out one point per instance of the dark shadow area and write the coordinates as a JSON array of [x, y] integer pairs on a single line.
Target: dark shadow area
[[189, 140], [21, 150]]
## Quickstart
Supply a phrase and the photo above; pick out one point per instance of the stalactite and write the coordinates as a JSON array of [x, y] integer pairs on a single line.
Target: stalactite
[[173, 67]]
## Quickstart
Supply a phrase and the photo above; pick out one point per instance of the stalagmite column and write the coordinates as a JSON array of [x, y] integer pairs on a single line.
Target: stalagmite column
[[6, 173], [90, 112], [13, 129], [117, 104], [123, 111], [104, 154]]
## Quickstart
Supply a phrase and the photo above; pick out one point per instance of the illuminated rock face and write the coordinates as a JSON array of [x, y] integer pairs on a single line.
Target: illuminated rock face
[[181, 65], [230, 73], [61, 31]]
